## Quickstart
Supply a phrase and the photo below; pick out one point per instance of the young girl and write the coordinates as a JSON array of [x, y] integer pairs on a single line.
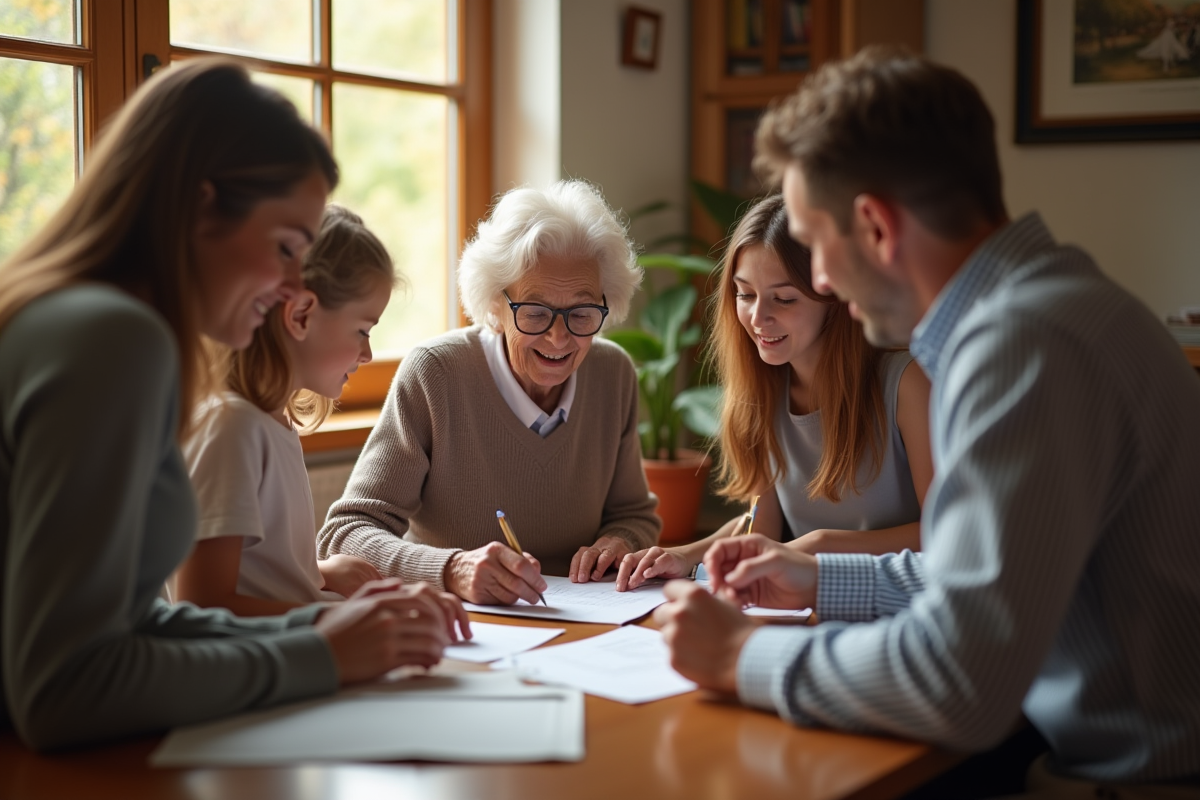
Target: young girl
[[830, 433], [189, 221], [256, 547]]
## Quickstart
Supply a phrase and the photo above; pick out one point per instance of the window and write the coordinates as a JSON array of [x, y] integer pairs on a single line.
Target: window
[[60, 72], [401, 88]]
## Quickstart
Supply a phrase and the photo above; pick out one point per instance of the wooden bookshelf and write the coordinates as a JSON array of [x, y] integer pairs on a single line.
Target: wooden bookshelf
[[747, 52]]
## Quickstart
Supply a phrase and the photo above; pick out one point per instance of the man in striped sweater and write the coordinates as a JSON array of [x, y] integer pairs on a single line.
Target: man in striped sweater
[[1060, 573]]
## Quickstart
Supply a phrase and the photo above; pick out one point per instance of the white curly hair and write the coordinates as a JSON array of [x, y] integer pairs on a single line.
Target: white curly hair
[[570, 218]]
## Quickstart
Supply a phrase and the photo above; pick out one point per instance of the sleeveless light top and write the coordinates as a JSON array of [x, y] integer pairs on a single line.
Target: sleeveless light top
[[887, 501]]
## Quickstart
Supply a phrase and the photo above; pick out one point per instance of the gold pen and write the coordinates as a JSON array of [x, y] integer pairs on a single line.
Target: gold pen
[[511, 538]]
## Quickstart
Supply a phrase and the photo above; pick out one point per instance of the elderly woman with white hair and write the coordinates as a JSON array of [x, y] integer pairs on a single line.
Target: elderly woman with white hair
[[526, 412]]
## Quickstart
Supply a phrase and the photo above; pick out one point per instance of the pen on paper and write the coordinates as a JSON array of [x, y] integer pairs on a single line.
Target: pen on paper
[[511, 538]]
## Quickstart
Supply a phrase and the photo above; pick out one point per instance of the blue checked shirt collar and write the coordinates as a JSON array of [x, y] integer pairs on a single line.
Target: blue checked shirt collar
[[991, 262]]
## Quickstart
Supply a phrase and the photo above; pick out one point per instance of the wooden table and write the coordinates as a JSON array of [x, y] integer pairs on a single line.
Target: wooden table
[[691, 746]]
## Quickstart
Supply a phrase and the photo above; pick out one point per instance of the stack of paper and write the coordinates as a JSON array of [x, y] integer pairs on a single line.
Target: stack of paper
[[597, 601], [481, 716], [629, 665]]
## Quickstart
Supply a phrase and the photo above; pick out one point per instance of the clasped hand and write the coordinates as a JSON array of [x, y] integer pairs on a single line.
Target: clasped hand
[[385, 625]]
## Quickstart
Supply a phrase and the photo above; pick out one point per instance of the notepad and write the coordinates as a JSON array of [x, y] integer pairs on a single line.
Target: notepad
[[629, 665], [474, 717], [596, 601]]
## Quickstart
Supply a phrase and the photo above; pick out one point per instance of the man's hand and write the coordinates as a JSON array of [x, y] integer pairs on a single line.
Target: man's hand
[[754, 570], [494, 575], [590, 563], [705, 633]]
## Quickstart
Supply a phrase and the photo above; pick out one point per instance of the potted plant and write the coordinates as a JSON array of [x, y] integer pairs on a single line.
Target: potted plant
[[668, 327]]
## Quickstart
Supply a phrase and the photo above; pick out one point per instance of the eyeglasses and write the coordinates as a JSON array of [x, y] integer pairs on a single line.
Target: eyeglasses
[[581, 320]]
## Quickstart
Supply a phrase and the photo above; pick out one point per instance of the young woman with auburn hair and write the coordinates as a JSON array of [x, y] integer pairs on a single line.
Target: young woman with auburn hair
[[829, 432]]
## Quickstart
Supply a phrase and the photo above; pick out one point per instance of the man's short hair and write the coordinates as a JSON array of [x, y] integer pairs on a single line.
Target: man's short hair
[[893, 124]]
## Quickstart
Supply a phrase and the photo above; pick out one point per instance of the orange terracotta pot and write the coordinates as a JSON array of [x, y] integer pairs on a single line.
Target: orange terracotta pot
[[679, 485]]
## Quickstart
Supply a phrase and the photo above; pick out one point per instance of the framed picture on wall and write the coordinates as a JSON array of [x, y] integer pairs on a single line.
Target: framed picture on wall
[[639, 44], [1092, 71]]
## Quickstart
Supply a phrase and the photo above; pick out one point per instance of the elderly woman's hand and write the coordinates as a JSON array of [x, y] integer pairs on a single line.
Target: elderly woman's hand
[[494, 575], [590, 563]]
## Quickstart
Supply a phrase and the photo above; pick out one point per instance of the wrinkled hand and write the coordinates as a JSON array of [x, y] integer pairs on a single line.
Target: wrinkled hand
[[346, 574], [494, 575], [705, 634], [590, 563], [386, 625], [756, 570], [653, 562]]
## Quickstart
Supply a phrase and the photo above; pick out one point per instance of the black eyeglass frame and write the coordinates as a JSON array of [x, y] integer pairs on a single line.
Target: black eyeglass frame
[[556, 312]]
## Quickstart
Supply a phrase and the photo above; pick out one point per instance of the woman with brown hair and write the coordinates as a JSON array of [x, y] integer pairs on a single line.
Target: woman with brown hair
[[829, 432], [189, 222]]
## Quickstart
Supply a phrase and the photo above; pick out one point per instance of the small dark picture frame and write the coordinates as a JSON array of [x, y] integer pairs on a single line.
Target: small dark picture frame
[[639, 44]]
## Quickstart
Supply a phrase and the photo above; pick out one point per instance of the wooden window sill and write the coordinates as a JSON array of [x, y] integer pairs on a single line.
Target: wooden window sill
[[344, 430]]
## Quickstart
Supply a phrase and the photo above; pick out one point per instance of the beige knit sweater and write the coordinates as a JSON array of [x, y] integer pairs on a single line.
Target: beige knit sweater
[[448, 452]]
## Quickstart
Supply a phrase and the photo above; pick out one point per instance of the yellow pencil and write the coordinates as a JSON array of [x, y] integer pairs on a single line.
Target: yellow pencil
[[747, 526], [511, 538]]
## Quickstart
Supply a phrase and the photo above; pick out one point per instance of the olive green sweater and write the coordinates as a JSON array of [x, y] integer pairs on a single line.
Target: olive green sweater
[[95, 512], [448, 452]]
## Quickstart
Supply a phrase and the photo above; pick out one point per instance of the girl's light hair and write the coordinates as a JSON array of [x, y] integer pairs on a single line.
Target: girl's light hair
[[345, 263], [130, 220], [845, 387], [570, 218]]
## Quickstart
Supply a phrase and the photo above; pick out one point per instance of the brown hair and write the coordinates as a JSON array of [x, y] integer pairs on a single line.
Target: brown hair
[[129, 221], [893, 124], [345, 263], [845, 388]]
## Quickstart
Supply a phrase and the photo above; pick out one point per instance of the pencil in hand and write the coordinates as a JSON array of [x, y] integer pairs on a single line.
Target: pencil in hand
[[747, 524], [511, 538]]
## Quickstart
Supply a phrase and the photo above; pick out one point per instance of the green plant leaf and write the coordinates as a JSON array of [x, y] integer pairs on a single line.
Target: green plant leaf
[[640, 345], [652, 207], [687, 265], [723, 206], [661, 368], [667, 313], [687, 240], [689, 337], [699, 408]]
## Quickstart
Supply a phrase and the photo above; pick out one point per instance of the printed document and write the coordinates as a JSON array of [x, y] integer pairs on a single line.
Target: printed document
[[629, 665], [491, 642], [597, 601]]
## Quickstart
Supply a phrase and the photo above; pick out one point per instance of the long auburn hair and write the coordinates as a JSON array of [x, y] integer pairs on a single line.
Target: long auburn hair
[[846, 387], [130, 220], [345, 263]]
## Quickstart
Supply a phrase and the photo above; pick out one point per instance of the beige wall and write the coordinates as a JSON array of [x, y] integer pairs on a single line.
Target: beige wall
[[565, 107], [1135, 207], [625, 128]]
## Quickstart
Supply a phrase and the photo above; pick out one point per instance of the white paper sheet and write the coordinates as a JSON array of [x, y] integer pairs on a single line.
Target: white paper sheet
[[480, 717], [491, 642], [598, 601], [629, 665]]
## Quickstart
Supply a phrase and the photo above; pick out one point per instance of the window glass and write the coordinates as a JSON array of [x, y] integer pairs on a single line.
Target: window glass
[[38, 141], [392, 148], [271, 29], [43, 20], [404, 38], [298, 90]]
